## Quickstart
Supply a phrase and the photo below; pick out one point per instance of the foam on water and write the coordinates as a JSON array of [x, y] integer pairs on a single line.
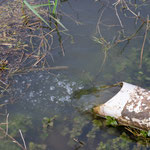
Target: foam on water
[[39, 88]]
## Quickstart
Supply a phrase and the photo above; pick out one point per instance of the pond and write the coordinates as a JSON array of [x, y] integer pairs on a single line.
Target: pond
[[98, 52]]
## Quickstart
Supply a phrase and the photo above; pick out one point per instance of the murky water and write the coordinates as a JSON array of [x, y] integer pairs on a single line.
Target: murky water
[[49, 94]]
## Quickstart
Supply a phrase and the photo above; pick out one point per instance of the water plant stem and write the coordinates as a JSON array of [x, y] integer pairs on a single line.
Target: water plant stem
[[55, 6]]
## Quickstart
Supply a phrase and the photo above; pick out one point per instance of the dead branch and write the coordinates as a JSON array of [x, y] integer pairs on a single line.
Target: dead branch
[[13, 139], [23, 139], [142, 49], [7, 124], [116, 4]]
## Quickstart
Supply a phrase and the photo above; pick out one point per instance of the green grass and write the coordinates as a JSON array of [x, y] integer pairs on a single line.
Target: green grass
[[50, 4], [55, 6]]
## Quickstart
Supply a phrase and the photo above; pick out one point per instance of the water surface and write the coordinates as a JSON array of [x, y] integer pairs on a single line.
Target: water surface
[[49, 94]]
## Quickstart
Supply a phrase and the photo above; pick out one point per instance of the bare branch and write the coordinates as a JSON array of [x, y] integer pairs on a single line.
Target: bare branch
[[115, 4], [23, 139], [7, 124], [142, 49]]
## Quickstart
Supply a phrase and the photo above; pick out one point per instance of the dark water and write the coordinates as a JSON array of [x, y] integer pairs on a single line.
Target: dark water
[[49, 94]]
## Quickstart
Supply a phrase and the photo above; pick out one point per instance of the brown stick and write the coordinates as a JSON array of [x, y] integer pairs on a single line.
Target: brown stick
[[23, 139], [13, 140], [142, 49], [7, 124], [115, 4]]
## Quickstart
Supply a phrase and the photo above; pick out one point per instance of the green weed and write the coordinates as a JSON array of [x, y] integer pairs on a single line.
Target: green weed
[[111, 121], [50, 4]]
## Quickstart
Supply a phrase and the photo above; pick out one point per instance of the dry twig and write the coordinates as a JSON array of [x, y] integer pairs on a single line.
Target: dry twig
[[7, 124], [13, 139], [142, 49], [23, 139], [115, 4]]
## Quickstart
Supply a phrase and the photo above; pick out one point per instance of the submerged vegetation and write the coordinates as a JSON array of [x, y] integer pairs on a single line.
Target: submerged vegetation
[[19, 29], [122, 36]]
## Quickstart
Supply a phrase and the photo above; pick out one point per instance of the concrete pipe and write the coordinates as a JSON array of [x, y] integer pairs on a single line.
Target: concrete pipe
[[130, 107]]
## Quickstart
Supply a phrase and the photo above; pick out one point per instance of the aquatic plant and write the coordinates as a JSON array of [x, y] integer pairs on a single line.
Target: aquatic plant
[[106, 46], [111, 121], [79, 93], [48, 122], [34, 146], [141, 136], [17, 127], [120, 143], [55, 6], [6, 144], [19, 121]]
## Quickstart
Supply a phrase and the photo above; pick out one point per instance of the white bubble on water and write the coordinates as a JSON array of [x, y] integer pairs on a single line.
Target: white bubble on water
[[52, 98], [68, 98], [41, 76], [52, 88], [23, 82], [60, 83], [69, 89], [31, 94], [40, 91], [6, 101], [80, 87], [73, 83]]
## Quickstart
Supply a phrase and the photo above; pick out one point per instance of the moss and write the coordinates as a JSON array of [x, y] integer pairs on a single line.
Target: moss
[[21, 122], [8, 145], [34, 146], [92, 133], [119, 143], [79, 93], [111, 121]]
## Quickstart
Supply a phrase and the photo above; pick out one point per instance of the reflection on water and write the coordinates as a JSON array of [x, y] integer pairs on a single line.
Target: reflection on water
[[44, 94]]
